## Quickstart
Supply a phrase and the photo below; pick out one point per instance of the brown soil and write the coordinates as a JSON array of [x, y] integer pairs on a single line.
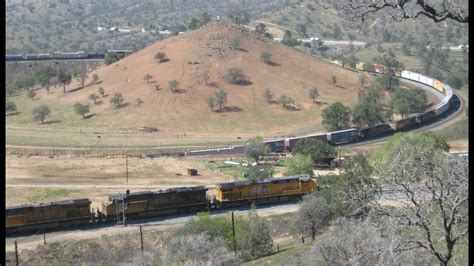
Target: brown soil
[[198, 60], [28, 179]]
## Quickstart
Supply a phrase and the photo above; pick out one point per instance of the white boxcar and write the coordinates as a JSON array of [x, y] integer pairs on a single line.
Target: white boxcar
[[414, 76], [422, 79], [406, 74], [429, 81], [442, 107]]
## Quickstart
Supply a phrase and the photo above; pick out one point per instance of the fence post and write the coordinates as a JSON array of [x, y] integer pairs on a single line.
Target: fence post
[[141, 238], [233, 233], [16, 253]]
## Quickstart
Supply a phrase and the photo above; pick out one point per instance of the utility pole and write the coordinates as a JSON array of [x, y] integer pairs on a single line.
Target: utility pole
[[126, 164]]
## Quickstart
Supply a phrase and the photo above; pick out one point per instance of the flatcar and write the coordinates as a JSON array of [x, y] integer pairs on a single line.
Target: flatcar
[[53, 215], [148, 204], [267, 191], [343, 136]]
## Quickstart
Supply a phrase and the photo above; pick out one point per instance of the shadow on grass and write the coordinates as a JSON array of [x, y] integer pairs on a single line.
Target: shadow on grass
[[89, 116], [321, 103], [12, 113], [75, 89], [179, 91], [291, 108], [229, 109], [271, 63], [51, 122]]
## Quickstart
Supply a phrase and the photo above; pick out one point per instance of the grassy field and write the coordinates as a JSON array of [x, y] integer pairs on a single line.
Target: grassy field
[[38, 195]]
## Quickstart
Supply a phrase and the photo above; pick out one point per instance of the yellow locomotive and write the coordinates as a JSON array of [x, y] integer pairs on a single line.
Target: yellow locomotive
[[51, 215], [266, 191]]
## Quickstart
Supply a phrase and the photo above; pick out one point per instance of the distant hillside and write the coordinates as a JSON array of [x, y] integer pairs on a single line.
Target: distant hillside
[[45, 26], [70, 25]]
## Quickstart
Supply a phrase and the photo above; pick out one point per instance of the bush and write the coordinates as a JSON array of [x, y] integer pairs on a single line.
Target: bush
[[10, 107], [198, 249], [40, 113], [235, 76], [161, 57], [252, 237], [318, 150], [81, 109], [117, 100], [266, 57]]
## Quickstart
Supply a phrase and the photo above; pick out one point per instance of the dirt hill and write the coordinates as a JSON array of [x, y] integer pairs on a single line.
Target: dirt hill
[[198, 60]]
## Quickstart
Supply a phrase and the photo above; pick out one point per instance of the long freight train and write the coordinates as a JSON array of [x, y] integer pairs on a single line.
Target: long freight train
[[54, 56], [78, 212], [352, 135]]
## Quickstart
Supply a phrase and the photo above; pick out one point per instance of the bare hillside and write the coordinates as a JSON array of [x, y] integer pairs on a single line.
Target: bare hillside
[[199, 60]]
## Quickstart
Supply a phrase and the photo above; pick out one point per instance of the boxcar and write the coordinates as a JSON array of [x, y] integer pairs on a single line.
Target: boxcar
[[426, 116], [267, 191], [438, 85], [360, 66], [343, 136], [289, 143], [275, 145], [375, 131], [403, 123], [163, 202], [13, 57], [50, 215], [378, 68]]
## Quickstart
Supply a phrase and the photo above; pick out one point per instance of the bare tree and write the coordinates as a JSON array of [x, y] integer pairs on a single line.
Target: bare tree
[[313, 93], [352, 242], [401, 10], [211, 102], [173, 85], [198, 250], [82, 77], [268, 95], [147, 78], [313, 215], [433, 199], [93, 97], [221, 98]]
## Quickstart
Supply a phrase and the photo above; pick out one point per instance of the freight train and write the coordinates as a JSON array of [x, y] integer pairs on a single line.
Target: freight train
[[129, 206], [353, 135], [54, 56]]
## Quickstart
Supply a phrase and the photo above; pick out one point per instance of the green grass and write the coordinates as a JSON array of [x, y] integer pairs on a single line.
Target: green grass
[[235, 171], [37, 195], [291, 255], [458, 130]]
